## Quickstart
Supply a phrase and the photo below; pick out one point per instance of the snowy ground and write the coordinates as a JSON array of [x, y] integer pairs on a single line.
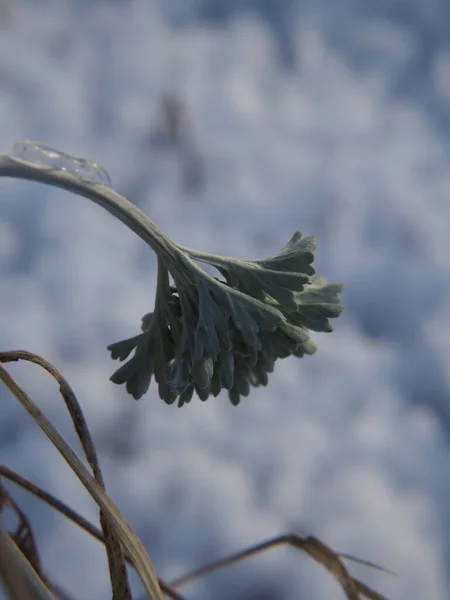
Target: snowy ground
[[334, 122]]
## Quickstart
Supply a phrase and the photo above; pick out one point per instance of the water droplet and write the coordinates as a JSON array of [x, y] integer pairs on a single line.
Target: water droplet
[[45, 157], [177, 374]]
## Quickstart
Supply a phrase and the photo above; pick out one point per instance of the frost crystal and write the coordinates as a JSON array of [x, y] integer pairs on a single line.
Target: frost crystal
[[44, 157]]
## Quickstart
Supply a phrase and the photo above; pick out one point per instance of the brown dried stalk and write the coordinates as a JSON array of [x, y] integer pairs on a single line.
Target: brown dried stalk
[[320, 552], [73, 516], [117, 569], [126, 537], [324, 555]]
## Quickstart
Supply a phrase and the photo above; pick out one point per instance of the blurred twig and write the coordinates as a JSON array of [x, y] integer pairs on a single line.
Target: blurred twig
[[174, 129]]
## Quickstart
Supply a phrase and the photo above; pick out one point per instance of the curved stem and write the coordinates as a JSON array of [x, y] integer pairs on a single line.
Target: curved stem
[[179, 259], [210, 258], [106, 197]]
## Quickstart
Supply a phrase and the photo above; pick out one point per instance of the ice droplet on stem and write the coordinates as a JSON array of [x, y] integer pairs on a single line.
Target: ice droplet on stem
[[46, 157]]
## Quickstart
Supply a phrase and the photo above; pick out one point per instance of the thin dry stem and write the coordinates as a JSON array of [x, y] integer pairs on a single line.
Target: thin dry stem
[[23, 535], [330, 560], [116, 562], [128, 538], [18, 576], [73, 516]]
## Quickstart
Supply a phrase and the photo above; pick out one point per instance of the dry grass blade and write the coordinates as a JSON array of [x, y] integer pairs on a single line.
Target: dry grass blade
[[116, 561], [330, 560], [73, 516], [24, 539], [18, 577], [125, 534], [23, 535], [366, 563]]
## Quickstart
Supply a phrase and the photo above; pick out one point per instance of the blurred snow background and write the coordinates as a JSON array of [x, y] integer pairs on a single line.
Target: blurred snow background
[[331, 118]]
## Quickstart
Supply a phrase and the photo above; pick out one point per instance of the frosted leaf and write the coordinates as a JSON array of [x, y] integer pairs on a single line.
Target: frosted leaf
[[43, 156]]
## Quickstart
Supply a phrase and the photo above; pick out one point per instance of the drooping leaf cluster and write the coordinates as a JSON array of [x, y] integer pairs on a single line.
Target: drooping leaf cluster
[[207, 334]]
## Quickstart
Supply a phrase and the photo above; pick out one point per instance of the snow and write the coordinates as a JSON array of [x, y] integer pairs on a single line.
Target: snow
[[333, 122]]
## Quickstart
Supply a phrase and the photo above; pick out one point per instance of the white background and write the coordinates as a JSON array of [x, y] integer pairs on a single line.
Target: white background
[[333, 121]]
